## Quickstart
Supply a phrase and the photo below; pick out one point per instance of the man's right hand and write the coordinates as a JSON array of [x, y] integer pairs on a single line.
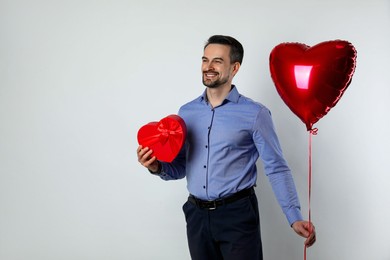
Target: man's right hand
[[148, 161]]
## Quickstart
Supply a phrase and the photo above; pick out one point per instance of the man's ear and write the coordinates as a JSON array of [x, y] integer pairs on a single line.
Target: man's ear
[[236, 67]]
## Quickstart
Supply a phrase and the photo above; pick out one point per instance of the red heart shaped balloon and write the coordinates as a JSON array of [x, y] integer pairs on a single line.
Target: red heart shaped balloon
[[311, 80], [165, 138]]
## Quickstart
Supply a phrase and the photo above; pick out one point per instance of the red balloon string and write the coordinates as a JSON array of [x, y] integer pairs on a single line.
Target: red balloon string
[[311, 133]]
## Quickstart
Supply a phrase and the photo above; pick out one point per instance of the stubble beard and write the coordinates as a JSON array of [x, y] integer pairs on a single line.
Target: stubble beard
[[214, 84]]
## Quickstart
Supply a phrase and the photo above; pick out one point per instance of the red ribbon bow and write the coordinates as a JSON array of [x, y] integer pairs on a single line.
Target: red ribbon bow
[[165, 138]]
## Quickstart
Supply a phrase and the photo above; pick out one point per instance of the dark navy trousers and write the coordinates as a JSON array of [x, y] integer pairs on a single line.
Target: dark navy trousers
[[229, 232]]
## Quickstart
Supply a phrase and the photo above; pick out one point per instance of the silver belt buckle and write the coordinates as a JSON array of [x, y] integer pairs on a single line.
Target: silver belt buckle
[[214, 205]]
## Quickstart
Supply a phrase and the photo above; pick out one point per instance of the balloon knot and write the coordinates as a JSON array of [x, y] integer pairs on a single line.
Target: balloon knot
[[314, 131]]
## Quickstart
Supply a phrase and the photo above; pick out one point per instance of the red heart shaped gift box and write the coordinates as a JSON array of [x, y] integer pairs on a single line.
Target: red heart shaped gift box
[[165, 138]]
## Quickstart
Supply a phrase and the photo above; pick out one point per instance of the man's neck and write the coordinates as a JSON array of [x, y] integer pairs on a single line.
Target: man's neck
[[216, 96]]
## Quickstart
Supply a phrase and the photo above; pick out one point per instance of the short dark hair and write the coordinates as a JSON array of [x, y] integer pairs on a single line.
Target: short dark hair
[[236, 49]]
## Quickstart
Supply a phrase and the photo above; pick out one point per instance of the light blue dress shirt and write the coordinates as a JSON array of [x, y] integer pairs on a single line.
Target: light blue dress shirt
[[222, 146]]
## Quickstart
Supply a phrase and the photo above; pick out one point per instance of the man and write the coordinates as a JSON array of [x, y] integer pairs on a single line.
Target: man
[[226, 133]]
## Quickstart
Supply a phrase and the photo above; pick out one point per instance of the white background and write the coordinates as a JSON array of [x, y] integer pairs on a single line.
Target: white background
[[79, 78]]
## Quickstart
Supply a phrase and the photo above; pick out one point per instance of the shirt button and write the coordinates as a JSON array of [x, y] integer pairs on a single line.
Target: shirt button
[[205, 146], [204, 187], [204, 166]]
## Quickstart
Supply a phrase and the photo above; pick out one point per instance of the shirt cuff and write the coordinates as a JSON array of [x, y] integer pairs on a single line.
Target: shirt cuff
[[293, 215], [160, 171]]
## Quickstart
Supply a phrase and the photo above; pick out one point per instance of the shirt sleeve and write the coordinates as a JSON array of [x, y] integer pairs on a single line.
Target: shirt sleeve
[[275, 166], [174, 170]]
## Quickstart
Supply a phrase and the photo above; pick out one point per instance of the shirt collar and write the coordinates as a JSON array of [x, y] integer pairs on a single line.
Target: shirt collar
[[233, 95]]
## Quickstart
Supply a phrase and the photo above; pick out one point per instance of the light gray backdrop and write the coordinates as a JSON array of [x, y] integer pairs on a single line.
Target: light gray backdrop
[[79, 78]]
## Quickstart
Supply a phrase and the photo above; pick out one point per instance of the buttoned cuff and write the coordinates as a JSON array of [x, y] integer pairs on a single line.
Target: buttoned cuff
[[160, 171], [293, 215]]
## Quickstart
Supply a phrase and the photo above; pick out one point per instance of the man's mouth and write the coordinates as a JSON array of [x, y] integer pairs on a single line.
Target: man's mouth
[[210, 75]]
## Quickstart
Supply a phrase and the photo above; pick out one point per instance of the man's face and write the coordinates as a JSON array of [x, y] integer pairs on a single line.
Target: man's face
[[217, 69]]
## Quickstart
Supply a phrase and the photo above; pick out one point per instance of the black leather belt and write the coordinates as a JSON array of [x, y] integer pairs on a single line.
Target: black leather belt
[[213, 204]]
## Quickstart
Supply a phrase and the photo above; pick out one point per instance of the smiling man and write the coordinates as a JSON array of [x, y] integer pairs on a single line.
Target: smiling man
[[226, 134], [216, 66]]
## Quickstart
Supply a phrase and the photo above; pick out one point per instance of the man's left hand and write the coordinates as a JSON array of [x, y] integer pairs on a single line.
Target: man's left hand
[[305, 229]]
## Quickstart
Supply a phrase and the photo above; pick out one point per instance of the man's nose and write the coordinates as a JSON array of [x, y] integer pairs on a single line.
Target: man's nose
[[208, 66]]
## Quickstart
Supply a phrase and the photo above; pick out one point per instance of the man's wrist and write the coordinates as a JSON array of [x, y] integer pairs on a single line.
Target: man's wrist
[[158, 171]]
